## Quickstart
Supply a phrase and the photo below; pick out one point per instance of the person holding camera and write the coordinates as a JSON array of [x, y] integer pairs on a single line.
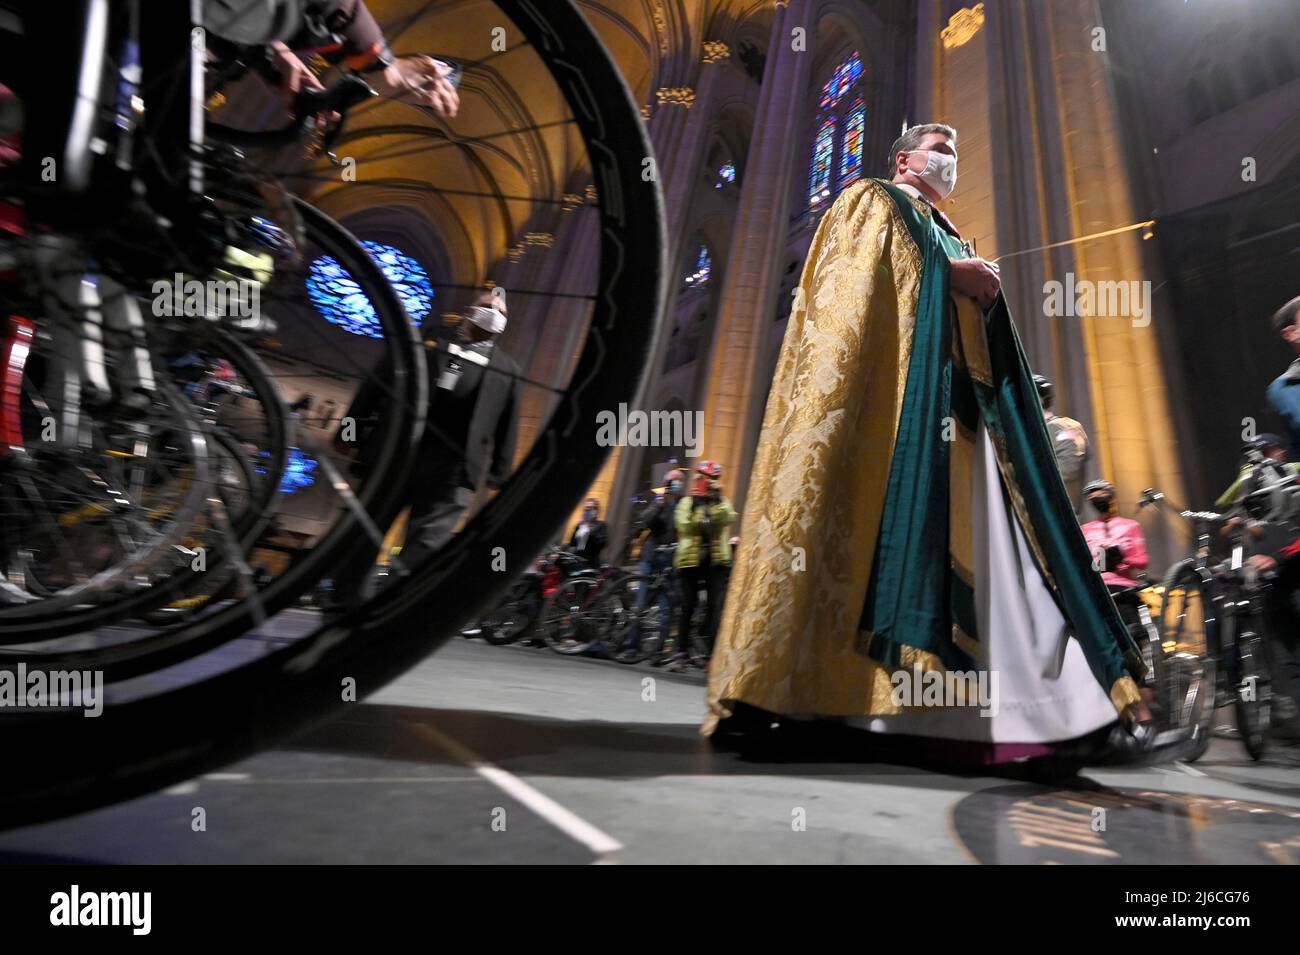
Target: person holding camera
[[470, 434], [703, 555], [590, 535], [658, 524]]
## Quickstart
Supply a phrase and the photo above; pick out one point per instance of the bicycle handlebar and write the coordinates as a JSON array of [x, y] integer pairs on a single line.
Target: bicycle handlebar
[[1153, 498], [349, 91]]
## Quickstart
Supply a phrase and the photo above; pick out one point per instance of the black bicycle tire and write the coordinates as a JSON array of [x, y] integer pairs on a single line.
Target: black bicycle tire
[[244, 530], [1252, 716], [281, 434], [548, 635], [382, 498], [652, 600], [157, 740], [143, 603], [521, 593], [1181, 573], [51, 617]]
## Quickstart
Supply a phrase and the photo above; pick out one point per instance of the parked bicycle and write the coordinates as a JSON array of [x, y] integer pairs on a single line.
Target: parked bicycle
[[104, 522], [1214, 609], [515, 616]]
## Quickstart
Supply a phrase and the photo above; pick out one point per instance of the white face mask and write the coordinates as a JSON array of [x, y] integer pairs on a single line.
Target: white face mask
[[940, 172], [490, 319]]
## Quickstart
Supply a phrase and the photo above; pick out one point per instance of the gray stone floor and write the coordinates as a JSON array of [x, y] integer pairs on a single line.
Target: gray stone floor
[[516, 755]]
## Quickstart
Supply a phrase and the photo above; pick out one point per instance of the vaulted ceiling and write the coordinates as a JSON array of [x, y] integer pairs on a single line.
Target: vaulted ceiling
[[480, 181]]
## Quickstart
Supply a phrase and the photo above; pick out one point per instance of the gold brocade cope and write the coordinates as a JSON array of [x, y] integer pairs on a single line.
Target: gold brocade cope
[[787, 639]]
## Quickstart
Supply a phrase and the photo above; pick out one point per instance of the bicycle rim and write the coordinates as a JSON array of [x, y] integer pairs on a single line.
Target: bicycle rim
[[145, 743]]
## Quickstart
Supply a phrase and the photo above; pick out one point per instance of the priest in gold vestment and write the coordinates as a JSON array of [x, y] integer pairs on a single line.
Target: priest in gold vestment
[[905, 516]]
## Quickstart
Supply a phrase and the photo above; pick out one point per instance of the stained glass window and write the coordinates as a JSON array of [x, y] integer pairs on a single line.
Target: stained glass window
[[725, 174], [845, 75], [299, 470], [819, 175], [703, 268], [340, 300], [837, 162], [851, 147]]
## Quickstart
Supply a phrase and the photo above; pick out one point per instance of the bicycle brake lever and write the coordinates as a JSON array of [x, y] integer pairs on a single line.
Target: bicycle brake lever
[[348, 92], [339, 98]]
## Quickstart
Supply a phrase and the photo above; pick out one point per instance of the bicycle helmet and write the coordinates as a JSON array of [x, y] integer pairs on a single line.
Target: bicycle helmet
[[710, 469], [1046, 390], [1264, 444], [1098, 491], [1273, 495]]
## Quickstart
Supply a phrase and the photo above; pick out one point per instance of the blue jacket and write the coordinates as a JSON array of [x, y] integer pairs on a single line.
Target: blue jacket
[[1284, 396]]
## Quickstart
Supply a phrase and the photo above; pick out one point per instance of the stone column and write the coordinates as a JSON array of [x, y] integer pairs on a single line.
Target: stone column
[[681, 139], [734, 407], [1042, 162]]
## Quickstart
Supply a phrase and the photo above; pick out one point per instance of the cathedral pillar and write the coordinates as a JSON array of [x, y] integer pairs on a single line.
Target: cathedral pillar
[[1041, 163], [735, 400], [680, 134]]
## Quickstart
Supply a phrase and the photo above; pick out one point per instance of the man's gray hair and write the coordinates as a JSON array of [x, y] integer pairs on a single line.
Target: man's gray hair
[[911, 140]]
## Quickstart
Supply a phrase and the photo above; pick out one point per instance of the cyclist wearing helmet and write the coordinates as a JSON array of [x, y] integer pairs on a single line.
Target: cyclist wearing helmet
[[1273, 549], [1069, 441], [703, 555], [1118, 545], [1284, 393], [1273, 448]]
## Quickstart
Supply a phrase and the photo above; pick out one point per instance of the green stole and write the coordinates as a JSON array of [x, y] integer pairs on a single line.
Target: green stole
[[914, 597]]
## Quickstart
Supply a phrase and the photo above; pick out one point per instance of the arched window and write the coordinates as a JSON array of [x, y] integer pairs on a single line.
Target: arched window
[[842, 80], [726, 173], [299, 470], [851, 147], [703, 268], [819, 176], [841, 128], [339, 298]]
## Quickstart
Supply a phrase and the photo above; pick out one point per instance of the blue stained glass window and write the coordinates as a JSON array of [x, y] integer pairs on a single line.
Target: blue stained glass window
[[841, 133], [725, 174], [299, 471], [851, 148], [819, 175], [703, 268], [340, 300], [845, 75]]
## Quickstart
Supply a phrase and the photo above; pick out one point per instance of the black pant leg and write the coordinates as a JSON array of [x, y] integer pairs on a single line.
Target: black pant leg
[[1284, 649], [718, 577], [690, 583], [432, 523]]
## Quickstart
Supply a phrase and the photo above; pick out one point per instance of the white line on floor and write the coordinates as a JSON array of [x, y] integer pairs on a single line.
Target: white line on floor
[[376, 780], [1181, 769], [567, 822]]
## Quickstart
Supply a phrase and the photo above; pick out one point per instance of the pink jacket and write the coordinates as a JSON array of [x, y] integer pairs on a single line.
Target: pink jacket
[[1126, 534]]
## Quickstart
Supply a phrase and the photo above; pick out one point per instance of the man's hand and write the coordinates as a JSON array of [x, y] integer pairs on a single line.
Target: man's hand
[[419, 80], [977, 278], [296, 76], [1262, 563]]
